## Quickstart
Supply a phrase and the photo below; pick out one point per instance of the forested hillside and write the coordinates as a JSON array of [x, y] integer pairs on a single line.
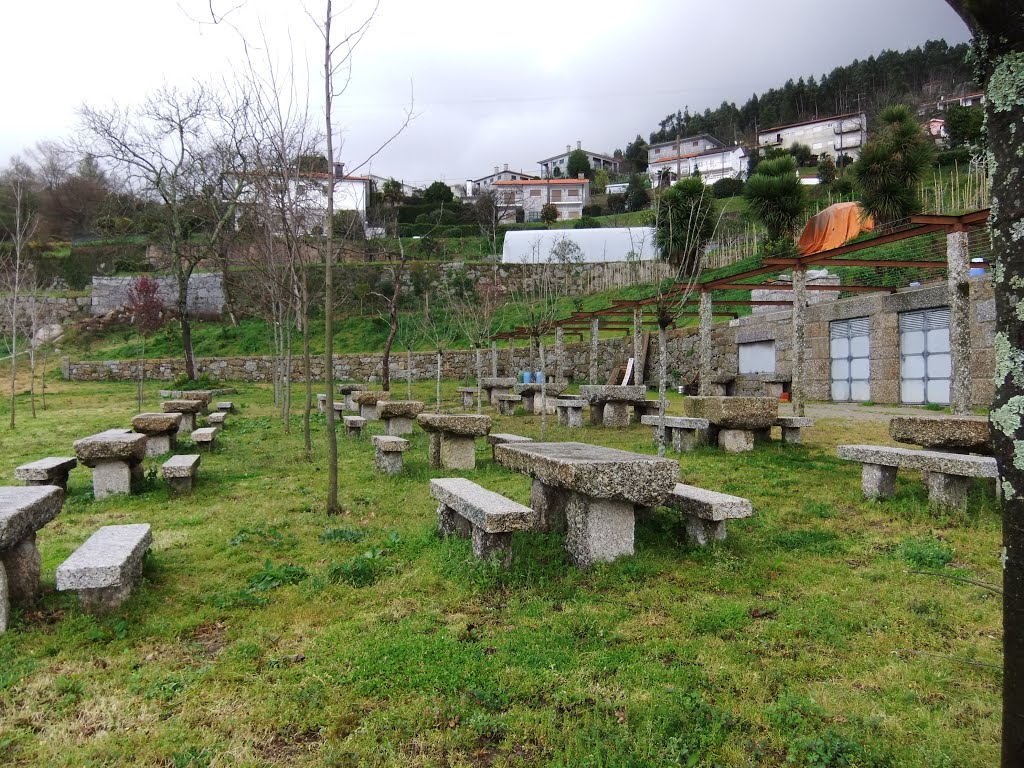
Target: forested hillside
[[922, 74]]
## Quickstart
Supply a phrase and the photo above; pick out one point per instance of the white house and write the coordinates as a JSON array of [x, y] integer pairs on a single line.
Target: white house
[[712, 164], [837, 135], [688, 145], [567, 195], [561, 162], [380, 181], [485, 183]]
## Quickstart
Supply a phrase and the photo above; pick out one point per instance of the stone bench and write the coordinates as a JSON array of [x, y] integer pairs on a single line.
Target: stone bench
[[160, 429], [570, 412], [398, 415], [734, 420], [367, 402], [387, 453], [180, 472], [507, 403], [205, 436], [683, 433], [53, 470], [226, 406], [348, 389], [947, 475], [452, 444], [353, 425], [468, 395], [496, 385], [188, 410], [706, 511], [469, 511], [217, 419], [116, 460], [23, 511], [953, 434], [531, 394], [107, 567], [501, 438], [645, 408], [790, 426], [609, 403]]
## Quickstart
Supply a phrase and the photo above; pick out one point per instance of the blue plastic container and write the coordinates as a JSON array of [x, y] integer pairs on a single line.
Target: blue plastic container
[[527, 377]]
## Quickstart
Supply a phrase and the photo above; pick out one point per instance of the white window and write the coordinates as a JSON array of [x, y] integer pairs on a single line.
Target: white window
[[757, 357], [574, 193], [534, 193], [556, 196]]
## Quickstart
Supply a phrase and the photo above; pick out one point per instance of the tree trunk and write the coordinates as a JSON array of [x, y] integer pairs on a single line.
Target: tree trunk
[[307, 409], [185, 322], [594, 330], [999, 49], [479, 373], [543, 395], [385, 377], [638, 334], [142, 369], [437, 400], [494, 358], [408, 373], [662, 379], [42, 380], [559, 354], [332, 435], [14, 364]]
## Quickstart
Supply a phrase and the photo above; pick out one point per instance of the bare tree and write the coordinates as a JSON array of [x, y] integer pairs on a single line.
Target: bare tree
[[183, 150], [493, 209], [397, 273], [20, 230], [147, 316]]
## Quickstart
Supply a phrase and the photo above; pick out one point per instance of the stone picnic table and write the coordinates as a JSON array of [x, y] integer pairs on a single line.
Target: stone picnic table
[[116, 460], [496, 385], [452, 438], [347, 390], [160, 429], [398, 415], [734, 420], [590, 492], [609, 403], [23, 511], [531, 393], [367, 402], [956, 434], [188, 408]]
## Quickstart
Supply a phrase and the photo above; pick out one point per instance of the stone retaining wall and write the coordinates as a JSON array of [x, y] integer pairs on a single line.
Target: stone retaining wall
[[49, 309], [205, 293]]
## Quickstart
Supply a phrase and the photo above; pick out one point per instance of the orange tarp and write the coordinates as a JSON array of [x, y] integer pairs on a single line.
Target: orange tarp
[[835, 226]]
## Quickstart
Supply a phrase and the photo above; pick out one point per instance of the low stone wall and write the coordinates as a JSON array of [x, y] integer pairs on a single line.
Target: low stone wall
[[205, 293], [49, 309]]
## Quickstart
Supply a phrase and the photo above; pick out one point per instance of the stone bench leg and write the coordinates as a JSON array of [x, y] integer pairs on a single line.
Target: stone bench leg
[[600, 530], [457, 452], [388, 462], [451, 523], [349, 404], [158, 445], [22, 565], [506, 408], [791, 435], [548, 502], [701, 531], [493, 545], [368, 411], [878, 481], [187, 425], [352, 431], [735, 440], [467, 399], [616, 414], [434, 451], [61, 481], [528, 403], [180, 486], [499, 391], [708, 436], [946, 493], [100, 601], [684, 440], [762, 436], [112, 477], [562, 415], [596, 414], [398, 425], [574, 419]]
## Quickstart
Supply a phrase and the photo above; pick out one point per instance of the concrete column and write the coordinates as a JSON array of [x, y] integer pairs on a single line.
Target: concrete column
[[559, 354], [799, 321], [959, 321], [494, 359], [511, 358], [595, 327], [533, 354], [704, 345]]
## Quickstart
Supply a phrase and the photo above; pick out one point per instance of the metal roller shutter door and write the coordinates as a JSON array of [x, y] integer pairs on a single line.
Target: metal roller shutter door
[[850, 353], [926, 365]]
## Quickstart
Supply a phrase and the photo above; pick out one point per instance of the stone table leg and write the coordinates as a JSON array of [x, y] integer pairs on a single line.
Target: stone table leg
[[111, 477], [22, 563], [878, 481], [600, 530], [763, 435], [467, 399], [735, 440], [158, 445], [180, 486], [548, 502], [946, 493], [368, 411], [388, 462], [791, 435], [434, 451], [398, 425], [684, 440], [596, 414], [562, 414], [187, 424], [457, 451], [574, 419], [701, 531], [528, 402], [493, 545], [451, 523], [616, 414]]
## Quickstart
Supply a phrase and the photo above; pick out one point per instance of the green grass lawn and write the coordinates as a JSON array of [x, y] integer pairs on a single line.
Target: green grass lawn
[[267, 633]]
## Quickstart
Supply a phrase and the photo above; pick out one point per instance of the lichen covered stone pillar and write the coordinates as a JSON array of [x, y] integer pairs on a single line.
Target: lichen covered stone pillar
[[959, 321], [595, 328], [704, 345], [799, 321]]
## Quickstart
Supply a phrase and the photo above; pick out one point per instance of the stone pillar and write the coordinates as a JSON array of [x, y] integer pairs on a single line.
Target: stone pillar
[[549, 504], [493, 546], [638, 335], [599, 530], [559, 354], [946, 493], [959, 322], [494, 359], [595, 327], [532, 366], [451, 523], [877, 481], [616, 414], [511, 358], [457, 451], [22, 564], [799, 349], [704, 345]]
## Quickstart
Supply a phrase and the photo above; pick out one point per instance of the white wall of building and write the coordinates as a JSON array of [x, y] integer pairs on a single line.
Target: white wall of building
[[588, 245], [834, 136]]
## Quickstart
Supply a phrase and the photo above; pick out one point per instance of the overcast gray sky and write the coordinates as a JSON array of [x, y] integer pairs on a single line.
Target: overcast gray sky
[[494, 83]]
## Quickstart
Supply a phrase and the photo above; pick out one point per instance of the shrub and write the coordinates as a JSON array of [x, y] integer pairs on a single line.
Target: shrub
[[727, 187], [616, 203], [592, 210], [949, 157], [587, 222]]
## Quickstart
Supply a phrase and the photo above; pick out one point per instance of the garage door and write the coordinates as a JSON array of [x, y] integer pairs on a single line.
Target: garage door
[[850, 350], [925, 363]]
